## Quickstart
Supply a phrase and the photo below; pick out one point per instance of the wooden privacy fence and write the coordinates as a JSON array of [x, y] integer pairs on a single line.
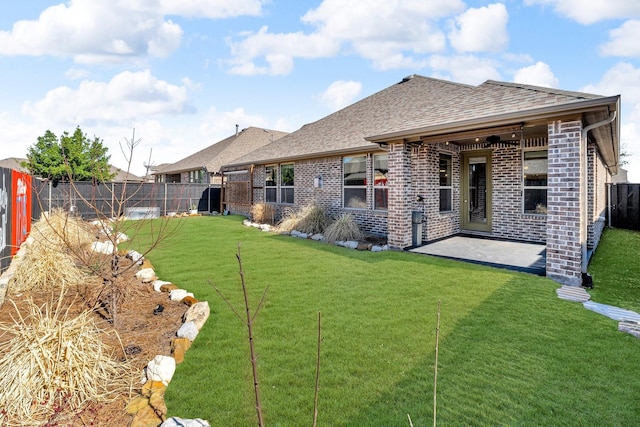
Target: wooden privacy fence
[[625, 206], [114, 198]]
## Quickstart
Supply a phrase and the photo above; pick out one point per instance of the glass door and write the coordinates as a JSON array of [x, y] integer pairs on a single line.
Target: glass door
[[476, 191]]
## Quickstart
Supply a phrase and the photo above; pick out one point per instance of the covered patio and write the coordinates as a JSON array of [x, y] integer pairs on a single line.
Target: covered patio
[[508, 254]]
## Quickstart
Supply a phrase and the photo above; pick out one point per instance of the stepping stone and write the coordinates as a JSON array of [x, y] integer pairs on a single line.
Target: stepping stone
[[612, 312], [573, 293], [632, 328]]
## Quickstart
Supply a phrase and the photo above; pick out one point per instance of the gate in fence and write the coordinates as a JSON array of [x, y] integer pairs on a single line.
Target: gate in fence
[[625, 206]]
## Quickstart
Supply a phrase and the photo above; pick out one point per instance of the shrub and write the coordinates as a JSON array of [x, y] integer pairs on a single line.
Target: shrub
[[312, 220], [343, 228], [263, 213]]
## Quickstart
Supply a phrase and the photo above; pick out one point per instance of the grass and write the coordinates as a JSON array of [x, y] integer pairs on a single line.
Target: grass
[[511, 352], [615, 269]]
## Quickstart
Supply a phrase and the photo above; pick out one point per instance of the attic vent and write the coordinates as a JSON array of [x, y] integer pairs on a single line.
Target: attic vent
[[406, 79]]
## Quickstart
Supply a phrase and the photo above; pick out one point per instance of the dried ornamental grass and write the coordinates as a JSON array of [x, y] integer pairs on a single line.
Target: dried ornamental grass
[[313, 220], [289, 220], [54, 366], [44, 267], [60, 230], [263, 213], [342, 229]]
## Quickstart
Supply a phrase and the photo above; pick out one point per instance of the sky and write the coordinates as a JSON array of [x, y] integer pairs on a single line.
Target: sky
[[175, 76]]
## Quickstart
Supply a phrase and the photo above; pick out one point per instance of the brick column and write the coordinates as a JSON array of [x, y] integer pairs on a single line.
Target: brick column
[[399, 203], [564, 253]]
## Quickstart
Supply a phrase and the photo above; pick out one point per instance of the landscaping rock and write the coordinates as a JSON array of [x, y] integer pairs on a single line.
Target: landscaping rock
[[168, 287], [376, 248], [161, 368], [146, 274], [189, 301], [106, 248], [158, 284], [179, 347], [179, 294], [364, 246], [299, 234], [198, 314], [188, 330], [265, 227], [181, 422], [146, 417], [135, 256], [351, 244], [317, 237]]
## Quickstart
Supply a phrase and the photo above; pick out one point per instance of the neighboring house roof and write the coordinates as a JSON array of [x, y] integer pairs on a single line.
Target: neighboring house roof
[[215, 156], [13, 163], [121, 176], [419, 106], [16, 164]]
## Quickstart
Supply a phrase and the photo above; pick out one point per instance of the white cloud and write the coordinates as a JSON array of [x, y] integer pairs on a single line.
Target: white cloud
[[127, 97], [591, 11], [467, 69], [624, 79], [389, 33], [113, 31], [538, 74], [623, 40], [340, 93], [481, 30], [217, 125]]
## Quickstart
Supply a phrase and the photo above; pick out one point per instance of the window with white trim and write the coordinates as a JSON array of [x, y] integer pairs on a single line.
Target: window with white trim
[[446, 189], [534, 181], [354, 170], [271, 184], [380, 189], [286, 183]]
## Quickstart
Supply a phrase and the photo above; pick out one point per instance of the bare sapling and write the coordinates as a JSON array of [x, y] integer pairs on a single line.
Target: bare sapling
[[248, 320], [113, 229]]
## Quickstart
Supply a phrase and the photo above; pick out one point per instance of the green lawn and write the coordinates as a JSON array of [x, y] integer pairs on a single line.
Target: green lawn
[[511, 352]]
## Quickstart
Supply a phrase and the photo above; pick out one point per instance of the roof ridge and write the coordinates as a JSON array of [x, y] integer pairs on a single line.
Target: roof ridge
[[549, 90]]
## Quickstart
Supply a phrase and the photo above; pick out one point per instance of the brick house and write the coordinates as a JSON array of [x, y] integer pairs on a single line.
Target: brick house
[[203, 167], [500, 160]]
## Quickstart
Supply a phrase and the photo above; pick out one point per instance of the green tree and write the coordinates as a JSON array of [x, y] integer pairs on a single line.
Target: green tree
[[70, 157]]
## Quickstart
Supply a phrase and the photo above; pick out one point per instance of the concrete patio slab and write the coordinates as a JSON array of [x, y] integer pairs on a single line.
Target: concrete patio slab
[[512, 255]]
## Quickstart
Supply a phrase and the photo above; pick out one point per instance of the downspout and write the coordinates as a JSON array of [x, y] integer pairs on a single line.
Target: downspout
[[584, 224]]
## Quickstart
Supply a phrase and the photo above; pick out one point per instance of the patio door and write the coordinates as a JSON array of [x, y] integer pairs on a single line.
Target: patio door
[[476, 191]]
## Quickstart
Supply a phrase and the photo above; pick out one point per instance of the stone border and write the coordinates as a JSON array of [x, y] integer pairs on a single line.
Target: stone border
[[349, 244]]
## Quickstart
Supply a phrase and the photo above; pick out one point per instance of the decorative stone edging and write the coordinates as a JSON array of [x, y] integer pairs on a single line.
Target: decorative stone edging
[[149, 408], [349, 244]]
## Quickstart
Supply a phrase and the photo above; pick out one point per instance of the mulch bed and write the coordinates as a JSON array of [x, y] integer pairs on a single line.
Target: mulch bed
[[142, 335]]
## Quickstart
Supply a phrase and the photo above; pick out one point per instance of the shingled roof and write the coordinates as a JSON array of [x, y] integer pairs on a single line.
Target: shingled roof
[[416, 103], [214, 156]]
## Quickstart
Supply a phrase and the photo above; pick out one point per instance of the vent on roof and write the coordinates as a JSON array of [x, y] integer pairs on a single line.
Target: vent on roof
[[406, 79]]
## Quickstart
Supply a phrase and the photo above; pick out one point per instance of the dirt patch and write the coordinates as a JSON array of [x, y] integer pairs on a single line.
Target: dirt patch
[[139, 337]]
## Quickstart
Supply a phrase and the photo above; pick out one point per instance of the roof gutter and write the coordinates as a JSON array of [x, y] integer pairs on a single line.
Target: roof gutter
[[584, 190]]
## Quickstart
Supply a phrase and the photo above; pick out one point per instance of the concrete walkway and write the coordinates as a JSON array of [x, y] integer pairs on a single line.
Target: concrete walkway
[[519, 256]]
